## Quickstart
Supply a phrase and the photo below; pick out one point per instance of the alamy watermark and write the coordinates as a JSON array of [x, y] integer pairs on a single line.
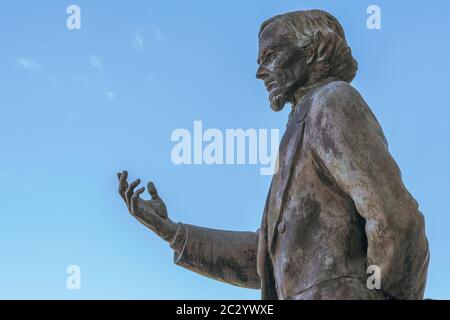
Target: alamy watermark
[[374, 280], [234, 146], [73, 281], [73, 21], [374, 20]]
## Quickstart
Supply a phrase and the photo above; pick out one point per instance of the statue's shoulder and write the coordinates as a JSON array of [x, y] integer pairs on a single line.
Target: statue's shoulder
[[335, 97], [336, 90], [338, 106]]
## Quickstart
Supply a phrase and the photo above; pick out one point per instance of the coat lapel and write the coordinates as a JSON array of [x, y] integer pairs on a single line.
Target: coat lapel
[[288, 152]]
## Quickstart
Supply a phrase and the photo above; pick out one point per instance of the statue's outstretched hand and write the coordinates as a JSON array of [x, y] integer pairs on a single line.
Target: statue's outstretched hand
[[151, 213]]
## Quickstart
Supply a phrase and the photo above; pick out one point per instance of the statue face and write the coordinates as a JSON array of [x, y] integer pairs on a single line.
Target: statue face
[[282, 65]]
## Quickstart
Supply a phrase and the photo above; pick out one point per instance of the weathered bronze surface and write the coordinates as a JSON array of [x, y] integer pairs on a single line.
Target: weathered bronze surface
[[337, 203]]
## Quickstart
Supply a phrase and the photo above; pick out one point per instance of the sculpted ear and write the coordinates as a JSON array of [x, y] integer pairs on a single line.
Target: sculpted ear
[[323, 48]]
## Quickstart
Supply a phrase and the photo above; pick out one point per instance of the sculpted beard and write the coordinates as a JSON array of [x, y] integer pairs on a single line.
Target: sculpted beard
[[279, 96], [277, 99], [285, 83]]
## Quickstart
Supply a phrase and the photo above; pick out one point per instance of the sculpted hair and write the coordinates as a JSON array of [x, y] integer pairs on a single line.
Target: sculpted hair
[[322, 39]]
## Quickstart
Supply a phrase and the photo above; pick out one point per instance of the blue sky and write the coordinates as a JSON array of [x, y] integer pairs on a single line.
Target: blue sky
[[76, 106]]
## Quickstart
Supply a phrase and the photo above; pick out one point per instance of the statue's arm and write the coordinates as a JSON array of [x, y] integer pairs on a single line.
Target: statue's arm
[[227, 256], [222, 255], [348, 142]]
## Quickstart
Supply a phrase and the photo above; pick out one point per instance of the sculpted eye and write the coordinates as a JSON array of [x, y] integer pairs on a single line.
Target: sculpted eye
[[268, 56]]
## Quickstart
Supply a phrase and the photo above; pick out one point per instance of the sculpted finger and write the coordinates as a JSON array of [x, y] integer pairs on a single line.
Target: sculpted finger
[[135, 200], [130, 191], [152, 190], [123, 184]]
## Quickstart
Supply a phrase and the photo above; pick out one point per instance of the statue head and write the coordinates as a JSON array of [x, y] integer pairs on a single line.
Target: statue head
[[299, 49]]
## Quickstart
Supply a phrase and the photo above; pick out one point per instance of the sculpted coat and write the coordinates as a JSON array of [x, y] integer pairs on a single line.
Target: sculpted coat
[[336, 205]]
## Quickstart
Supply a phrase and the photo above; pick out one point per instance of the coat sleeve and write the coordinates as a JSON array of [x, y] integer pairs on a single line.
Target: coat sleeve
[[227, 256], [346, 138]]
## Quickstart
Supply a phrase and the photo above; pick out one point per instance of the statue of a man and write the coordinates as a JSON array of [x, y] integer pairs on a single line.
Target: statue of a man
[[336, 204]]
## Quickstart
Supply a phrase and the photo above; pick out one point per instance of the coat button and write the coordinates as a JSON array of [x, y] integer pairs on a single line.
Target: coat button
[[285, 266], [281, 227]]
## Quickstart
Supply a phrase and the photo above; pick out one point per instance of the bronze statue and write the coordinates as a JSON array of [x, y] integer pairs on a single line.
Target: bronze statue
[[337, 203]]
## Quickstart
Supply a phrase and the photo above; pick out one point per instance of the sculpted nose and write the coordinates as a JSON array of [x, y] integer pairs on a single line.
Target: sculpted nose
[[261, 73]]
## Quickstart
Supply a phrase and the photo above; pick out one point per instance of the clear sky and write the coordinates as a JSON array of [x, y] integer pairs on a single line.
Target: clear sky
[[76, 106]]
